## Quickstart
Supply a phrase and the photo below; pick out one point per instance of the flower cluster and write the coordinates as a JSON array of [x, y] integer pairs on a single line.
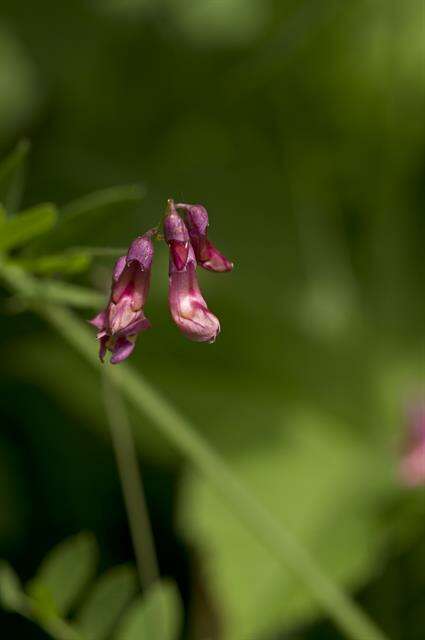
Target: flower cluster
[[187, 238]]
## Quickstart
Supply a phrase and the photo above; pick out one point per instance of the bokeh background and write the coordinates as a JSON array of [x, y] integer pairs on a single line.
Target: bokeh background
[[299, 124]]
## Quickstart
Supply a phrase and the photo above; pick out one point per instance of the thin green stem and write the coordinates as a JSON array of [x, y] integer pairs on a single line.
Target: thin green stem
[[347, 615], [131, 483]]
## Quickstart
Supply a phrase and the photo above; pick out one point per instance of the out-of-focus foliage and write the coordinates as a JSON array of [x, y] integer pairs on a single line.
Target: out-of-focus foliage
[[110, 609], [12, 174], [158, 615], [299, 124], [317, 474]]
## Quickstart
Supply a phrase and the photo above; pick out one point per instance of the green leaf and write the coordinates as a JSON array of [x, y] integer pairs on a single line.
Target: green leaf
[[319, 480], [69, 294], [43, 604], [12, 596], [66, 571], [99, 217], [106, 603], [54, 291], [157, 615], [70, 262], [3, 214], [31, 223], [12, 171]]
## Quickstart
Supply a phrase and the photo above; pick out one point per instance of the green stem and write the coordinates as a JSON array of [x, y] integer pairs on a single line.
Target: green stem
[[350, 618], [131, 483]]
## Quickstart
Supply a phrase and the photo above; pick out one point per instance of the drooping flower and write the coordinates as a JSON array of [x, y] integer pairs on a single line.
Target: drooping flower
[[412, 465], [123, 319], [207, 255], [187, 305]]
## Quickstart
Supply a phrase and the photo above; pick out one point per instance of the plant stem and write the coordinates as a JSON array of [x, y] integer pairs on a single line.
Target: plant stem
[[131, 483], [346, 614]]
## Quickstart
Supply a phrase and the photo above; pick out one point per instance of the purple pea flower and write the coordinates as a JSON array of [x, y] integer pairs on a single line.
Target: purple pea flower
[[123, 319], [188, 308], [207, 255], [412, 465]]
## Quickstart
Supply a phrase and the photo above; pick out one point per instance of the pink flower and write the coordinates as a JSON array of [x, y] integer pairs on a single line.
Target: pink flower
[[207, 255], [188, 308], [412, 466], [123, 319]]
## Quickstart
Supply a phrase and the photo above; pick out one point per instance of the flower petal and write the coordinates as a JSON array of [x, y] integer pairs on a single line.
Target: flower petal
[[189, 309], [141, 252], [122, 349], [99, 321], [119, 268]]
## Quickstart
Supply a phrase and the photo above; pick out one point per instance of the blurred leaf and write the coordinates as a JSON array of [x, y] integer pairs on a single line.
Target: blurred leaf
[[91, 216], [209, 23], [158, 615], [69, 294], [316, 478], [66, 571], [12, 170], [19, 87], [54, 291], [2, 215], [16, 231], [12, 596], [68, 263], [43, 603], [106, 602]]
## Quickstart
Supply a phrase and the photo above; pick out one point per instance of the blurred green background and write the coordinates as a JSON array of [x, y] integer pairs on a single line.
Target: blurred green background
[[299, 125]]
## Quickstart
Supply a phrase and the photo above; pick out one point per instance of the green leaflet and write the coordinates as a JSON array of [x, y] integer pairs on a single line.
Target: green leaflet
[[157, 615], [65, 572], [12, 596], [67, 263], [106, 602], [17, 231]]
